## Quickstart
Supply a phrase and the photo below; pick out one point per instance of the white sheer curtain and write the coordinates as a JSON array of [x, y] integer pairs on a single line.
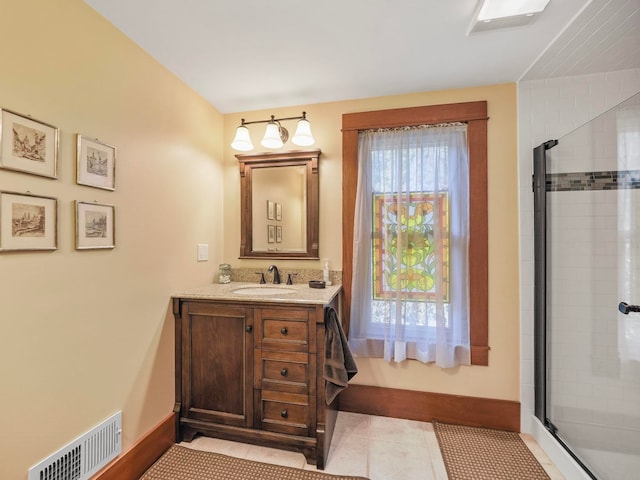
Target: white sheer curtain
[[410, 290]]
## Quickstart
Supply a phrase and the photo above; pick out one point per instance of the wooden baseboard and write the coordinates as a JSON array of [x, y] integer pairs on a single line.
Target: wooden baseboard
[[426, 407], [137, 460]]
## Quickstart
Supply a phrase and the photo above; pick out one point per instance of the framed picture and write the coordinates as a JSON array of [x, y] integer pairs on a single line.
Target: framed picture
[[271, 233], [278, 234], [270, 210], [28, 145], [96, 163], [28, 222], [95, 226], [278, 211]]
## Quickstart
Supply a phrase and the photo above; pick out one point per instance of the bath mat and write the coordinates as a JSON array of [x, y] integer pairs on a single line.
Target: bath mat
[[182, 463], [471, 453]]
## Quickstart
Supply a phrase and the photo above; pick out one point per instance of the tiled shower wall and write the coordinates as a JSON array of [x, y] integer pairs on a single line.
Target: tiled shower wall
[[594, 367], [549, 109], [590, 362]]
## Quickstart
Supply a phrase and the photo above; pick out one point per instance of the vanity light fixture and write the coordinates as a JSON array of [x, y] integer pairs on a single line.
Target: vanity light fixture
[[497, 14], [275, 134]]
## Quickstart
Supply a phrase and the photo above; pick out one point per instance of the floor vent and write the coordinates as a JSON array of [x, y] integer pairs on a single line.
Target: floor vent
[[83, 457]]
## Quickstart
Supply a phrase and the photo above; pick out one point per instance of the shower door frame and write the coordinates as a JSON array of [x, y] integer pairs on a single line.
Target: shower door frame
[[539, 185]]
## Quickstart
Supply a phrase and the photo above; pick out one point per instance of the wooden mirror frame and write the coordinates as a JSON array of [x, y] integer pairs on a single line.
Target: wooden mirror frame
[[247, 162]]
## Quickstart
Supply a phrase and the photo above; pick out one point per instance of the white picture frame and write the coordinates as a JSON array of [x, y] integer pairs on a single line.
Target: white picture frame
[[28, 222], [95, 225], [270, 210], [28, 145], [95, 163]]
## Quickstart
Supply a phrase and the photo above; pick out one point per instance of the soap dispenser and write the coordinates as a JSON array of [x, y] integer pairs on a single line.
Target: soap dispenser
[[325, 272]]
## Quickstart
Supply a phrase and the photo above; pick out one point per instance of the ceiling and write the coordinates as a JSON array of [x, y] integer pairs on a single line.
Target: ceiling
[[605, 37], [253, 54]]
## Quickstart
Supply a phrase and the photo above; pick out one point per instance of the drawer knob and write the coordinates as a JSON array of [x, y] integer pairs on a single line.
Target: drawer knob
[[284, 372], [248, 328], [284, 330], [284, 413]]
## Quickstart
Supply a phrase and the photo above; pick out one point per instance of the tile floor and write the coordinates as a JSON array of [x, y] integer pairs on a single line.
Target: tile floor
[[379, 448]]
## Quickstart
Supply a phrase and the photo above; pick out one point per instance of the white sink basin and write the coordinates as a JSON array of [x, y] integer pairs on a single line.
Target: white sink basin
[[257, 291]]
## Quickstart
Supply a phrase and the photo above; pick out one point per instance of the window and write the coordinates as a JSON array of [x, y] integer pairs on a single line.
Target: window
[[410, 273], [411, 249]]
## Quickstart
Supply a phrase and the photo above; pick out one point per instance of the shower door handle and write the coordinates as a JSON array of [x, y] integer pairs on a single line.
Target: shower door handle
[[626, 308]]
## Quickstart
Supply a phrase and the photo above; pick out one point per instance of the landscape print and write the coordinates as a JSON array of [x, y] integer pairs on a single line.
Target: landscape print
[[95, 224], [97, 162], [29, 143], [27, 220]]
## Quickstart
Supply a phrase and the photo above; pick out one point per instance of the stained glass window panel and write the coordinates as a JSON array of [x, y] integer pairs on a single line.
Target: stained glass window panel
[[405, 246]]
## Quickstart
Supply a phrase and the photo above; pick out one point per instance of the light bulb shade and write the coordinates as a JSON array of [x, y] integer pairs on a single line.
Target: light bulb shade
[[272, 136], [242, 142], [303, 137]]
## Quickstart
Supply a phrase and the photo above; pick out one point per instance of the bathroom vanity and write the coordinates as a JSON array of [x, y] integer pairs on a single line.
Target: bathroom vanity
[[249, 365]]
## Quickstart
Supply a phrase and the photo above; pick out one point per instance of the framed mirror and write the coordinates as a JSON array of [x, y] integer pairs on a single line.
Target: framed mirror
[[279, 201]]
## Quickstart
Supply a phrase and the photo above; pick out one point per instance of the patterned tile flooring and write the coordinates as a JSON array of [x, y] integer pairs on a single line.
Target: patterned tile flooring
[[379, 448]]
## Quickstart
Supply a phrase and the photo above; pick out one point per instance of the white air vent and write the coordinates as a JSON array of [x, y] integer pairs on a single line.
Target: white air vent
[[83, 457]]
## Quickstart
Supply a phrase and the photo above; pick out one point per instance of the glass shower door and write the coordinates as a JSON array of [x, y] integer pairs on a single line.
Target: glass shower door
[[593, 292]]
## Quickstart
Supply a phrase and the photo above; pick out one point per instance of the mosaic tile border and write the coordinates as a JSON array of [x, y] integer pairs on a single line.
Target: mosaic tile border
[[581, 181]]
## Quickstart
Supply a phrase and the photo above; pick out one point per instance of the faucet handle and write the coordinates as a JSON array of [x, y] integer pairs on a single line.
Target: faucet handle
[[262, 279], [289, 279]]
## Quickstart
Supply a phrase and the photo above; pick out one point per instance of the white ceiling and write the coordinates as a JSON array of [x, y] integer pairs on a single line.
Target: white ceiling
[[254, 54]]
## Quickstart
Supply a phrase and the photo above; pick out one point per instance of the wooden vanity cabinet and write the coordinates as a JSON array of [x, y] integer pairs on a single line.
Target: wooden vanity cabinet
[[252, 372]]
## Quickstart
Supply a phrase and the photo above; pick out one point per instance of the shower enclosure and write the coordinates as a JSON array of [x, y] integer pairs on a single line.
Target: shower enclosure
[[587, 291]]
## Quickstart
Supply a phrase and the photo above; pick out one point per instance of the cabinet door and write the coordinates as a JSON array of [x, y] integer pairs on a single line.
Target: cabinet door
[[217, 363]]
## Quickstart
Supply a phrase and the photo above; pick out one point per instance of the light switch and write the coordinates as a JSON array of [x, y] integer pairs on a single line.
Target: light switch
[[203, 252]]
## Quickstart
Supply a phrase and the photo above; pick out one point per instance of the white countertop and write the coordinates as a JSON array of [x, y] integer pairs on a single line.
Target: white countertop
[[302, 293]]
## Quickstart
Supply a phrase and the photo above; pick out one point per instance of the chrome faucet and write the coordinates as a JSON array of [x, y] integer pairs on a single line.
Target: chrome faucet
[[276, 273]]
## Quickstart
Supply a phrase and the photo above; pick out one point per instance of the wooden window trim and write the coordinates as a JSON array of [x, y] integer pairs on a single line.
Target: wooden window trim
[[474, 114]]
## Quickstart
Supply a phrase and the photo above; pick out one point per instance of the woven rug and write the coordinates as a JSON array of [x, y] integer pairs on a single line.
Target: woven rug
[[484, 454], [182, 463]]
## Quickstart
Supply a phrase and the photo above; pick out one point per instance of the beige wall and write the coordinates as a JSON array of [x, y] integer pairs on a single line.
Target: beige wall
[[499, 380], [87, 333]]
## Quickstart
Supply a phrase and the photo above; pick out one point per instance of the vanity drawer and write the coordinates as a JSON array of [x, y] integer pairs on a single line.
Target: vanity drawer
[[282, 371], [284, 330], [285, 413]]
